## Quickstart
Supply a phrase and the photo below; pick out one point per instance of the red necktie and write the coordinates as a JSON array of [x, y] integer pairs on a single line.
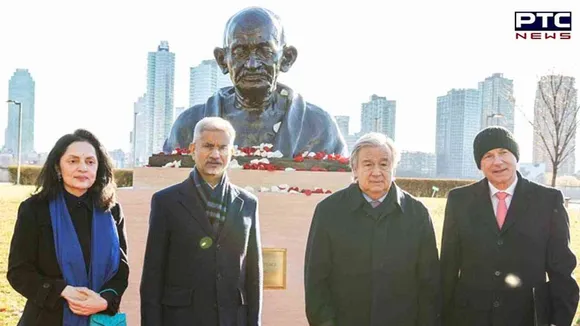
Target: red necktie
[[501, 208]]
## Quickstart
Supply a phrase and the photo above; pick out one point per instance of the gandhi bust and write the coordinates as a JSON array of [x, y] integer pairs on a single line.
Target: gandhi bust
[[260, 109]]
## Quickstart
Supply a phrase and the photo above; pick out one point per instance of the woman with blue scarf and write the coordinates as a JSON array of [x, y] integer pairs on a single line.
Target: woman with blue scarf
[[68, 254]]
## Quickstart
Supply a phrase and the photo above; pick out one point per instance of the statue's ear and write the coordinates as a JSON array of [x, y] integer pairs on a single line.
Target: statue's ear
[[288, 58], [220, 57]]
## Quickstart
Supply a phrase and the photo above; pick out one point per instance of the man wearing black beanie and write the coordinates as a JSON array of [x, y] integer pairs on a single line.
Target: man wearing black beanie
[[501, 237]]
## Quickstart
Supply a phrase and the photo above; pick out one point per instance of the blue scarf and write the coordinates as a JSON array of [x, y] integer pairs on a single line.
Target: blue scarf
[[105, 253]]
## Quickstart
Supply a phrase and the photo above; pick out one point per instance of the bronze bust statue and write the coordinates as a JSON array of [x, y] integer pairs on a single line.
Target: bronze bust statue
[[260, 109]]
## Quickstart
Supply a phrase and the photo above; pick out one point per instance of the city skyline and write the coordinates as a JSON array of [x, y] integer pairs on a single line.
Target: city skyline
[[104, 70]]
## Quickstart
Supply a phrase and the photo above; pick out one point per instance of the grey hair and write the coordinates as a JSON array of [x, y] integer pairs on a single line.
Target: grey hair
[[214, 124], [375, 139]]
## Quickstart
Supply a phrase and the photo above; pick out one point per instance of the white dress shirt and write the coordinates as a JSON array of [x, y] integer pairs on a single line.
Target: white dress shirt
[[494, 200]]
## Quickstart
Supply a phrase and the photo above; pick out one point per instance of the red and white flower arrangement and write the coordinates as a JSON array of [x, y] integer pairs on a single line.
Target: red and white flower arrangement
[[264, 150], [284, 188], [263, 153]]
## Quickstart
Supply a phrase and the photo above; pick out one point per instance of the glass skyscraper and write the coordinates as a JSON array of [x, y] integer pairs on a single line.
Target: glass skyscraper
[[21, 88]]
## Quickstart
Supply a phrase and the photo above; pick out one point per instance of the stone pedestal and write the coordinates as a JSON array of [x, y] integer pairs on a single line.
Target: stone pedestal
[[285, 222]]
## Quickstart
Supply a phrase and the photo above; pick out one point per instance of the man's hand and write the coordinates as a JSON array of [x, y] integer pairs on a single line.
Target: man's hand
[[86, 302]]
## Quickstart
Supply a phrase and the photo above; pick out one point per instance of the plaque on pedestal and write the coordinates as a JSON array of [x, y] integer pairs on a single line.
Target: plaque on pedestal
[[274, 262]]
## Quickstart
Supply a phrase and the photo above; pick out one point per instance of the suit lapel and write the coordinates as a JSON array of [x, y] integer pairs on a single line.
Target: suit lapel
[[235, 204], [483, 206], [518, 204], [188, 198]]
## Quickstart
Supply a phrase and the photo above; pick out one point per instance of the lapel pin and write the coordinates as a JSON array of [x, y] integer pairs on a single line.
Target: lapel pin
[[205, 242]]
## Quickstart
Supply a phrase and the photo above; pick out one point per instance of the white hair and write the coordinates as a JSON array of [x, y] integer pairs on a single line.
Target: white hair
[[375, 139], [214, 124]]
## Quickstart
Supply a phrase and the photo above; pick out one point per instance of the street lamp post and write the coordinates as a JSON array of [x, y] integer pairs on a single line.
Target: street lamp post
[[19, 104], [493, 115]]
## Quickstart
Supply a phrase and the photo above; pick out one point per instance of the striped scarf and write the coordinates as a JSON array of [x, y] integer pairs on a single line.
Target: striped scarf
[[214, 200]]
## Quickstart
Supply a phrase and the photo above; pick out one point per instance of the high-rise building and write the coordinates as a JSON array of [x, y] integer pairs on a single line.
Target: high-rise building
[[566, 95], [379, 115], [140, 156], [415, 164], [497, 102], [204, 80], [457, 124], [351, 141], [118, 158], [21, 88], [343, 123], [160, 80]]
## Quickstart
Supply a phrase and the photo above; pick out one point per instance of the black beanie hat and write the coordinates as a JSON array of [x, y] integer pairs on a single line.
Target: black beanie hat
[[492, 138]]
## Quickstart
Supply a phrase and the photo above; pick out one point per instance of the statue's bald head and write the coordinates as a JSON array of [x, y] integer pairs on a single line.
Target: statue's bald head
[[253, 18]]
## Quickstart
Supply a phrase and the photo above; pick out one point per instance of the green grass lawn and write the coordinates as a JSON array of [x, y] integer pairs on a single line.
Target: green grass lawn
[[11, 303]]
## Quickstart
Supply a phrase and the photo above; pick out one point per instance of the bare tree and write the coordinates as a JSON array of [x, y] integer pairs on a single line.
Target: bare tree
[[556, 119]]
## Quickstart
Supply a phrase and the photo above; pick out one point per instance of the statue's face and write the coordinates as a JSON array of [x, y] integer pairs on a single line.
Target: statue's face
[[253, 59]]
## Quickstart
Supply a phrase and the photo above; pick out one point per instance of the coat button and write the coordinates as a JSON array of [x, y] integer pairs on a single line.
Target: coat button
[[500, 242], [219, 276], [496, 304], [46, 285], [497, 273]]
